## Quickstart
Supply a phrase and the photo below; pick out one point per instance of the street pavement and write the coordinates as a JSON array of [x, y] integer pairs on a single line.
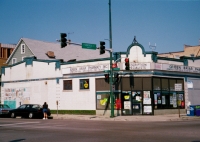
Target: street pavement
[[167, 117]]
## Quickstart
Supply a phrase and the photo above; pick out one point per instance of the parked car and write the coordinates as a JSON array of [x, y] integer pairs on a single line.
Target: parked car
[[4, 110], [28, 111]]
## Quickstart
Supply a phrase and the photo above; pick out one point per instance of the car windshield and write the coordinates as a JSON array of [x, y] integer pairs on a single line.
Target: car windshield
[[4, 106]]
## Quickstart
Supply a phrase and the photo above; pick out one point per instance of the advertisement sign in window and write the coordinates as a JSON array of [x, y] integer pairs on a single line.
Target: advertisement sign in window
[[146, 97], [127, 105], [163, 100], [147, 109]]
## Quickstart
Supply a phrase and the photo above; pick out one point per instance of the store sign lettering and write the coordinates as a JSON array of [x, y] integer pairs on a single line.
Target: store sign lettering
[[89, 68], [182, 68], [138, 66]]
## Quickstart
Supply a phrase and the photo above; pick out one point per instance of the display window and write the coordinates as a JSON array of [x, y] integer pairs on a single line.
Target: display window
[[84, 84], [67, 84], [104, 102], [167, 97]]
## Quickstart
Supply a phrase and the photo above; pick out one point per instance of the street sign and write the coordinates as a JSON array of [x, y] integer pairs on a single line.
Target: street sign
[[106, 71], [178, 87], [89, 46], [116, 69]]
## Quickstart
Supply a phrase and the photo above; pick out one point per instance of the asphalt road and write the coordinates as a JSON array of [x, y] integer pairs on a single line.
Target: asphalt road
[[37, 130]]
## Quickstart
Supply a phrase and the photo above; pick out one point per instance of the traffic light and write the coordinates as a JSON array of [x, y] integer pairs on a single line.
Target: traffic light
[[106, 78], [63, 40], [116, 77], [102, 47], [127, 67]]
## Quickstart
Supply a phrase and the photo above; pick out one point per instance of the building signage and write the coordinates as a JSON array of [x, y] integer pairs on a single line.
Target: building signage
[[178, 87], [83, 69], [139, 66], [171, 67], [133, 66]]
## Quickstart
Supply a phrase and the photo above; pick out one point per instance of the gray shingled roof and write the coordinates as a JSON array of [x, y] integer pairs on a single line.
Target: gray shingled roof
[[40, 48]]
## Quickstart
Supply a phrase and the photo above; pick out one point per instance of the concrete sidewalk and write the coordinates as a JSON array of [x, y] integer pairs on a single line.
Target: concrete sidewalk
[[168, 117]]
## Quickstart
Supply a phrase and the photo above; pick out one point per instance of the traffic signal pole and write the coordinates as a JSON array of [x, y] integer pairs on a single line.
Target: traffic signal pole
[[111, 69]]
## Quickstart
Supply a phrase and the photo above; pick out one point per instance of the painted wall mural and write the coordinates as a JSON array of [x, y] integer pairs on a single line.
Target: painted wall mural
[[14, 97]]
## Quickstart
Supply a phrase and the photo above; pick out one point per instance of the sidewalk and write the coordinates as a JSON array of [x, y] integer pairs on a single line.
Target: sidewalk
[[168, 117]]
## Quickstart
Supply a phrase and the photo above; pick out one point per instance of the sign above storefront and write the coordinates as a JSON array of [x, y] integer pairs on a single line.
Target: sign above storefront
[[178, 87], [133, 66]]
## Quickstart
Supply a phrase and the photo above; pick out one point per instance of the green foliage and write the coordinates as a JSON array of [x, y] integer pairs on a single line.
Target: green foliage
[[80, 112]]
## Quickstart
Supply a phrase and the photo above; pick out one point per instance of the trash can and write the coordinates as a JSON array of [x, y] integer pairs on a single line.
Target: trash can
[[197, 108], [191, 110]]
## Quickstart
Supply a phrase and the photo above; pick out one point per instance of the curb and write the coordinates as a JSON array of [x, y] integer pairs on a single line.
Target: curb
[[155, 118]]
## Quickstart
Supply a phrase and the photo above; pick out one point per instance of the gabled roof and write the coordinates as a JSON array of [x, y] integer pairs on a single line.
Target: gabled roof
[[72, 51]]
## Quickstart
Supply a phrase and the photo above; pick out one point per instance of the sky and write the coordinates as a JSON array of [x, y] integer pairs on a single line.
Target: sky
[[159, 25]]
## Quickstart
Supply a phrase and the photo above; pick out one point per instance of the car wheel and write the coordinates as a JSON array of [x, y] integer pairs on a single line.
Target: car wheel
[[12, 115], [30, 115]]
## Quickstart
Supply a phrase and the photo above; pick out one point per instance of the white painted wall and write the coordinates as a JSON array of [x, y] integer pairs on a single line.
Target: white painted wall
[[49, 91], [194, 63], [137, 56]]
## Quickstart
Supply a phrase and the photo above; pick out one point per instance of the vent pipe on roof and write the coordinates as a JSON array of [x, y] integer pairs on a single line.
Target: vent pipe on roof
[[50, 54]]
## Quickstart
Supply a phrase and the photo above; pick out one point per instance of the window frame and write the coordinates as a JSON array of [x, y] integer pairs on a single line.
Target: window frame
[[14, 59], [65, 89], [22, 48], [81, 87]]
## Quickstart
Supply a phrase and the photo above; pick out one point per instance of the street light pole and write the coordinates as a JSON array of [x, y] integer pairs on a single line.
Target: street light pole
[[111, 69]]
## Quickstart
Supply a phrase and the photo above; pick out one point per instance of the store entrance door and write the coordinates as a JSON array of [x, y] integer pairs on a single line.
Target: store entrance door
[[136, 102]]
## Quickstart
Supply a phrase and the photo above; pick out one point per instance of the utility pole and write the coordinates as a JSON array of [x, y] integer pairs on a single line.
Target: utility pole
[[111, 69]]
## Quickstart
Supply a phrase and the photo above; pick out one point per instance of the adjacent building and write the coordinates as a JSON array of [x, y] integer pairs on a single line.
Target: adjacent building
[[5, 52]]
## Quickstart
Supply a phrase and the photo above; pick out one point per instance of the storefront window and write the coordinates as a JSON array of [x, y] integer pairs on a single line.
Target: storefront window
[[156, 84], [167, 97], [172, 83], [67, 84], [84, 84], [165, 84], [104, 102]]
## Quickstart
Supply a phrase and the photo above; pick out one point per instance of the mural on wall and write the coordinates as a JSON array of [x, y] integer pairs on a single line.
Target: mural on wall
[[14, 97]]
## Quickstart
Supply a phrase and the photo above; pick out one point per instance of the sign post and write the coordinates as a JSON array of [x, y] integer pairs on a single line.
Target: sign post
[[178, 87], [57, 107]]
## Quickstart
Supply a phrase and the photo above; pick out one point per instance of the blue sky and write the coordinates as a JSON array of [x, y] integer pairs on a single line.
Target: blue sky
[[170, 24]]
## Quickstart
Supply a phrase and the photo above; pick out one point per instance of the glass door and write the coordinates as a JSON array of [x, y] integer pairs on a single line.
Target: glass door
[[136, 102]]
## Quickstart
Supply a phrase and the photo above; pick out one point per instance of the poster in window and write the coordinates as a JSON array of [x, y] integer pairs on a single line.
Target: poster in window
[[146, 94], [127, 105], [146, 97], [98, 97], [174, 100], [84, 83], [159, 99], [180, 98], [155, 99], [147, 101], [147, 109], [171, 100], [102, 101], [163, 100]]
